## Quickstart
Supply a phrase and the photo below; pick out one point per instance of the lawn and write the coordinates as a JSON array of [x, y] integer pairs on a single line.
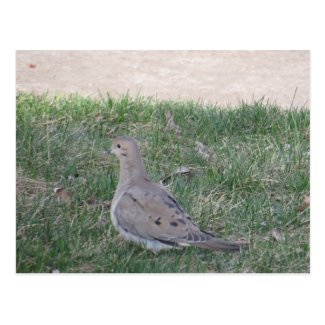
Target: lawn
[[247, 179]]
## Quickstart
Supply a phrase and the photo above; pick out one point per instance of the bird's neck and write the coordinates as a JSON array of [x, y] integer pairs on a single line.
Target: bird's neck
[[131, 169]]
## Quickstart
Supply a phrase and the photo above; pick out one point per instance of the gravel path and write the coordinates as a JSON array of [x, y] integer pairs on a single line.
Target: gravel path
[[223, 77]]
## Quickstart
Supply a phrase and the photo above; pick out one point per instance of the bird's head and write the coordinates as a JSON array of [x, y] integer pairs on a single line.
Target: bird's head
[[124, 148]]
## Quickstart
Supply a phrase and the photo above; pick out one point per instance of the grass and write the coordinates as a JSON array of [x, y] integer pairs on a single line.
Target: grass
[[252, 181]]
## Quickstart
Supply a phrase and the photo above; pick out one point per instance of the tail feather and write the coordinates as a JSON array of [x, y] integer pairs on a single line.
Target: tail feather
[[219, 245]]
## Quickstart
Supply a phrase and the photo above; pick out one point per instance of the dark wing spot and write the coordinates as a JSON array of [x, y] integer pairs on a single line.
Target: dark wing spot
[[176, 203], [188, 218], [172, 203], [181, 221], [124, 154], [177, 212], [134, 199], [149, 217], [157, 222], [174, 224]]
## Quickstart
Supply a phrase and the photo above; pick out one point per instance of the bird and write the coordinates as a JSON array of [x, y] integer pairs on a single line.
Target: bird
[[145, 213]]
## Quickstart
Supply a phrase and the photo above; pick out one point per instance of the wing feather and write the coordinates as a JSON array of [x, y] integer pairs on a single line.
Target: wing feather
[[156, 215]]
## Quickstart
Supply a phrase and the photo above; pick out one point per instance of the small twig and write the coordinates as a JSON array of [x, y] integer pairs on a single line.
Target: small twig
[[294, 96]]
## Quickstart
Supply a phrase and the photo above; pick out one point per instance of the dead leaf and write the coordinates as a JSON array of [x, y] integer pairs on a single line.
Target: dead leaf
[[170, 123], [73, 179], [181, 170], [62, 195], [305, 204], [277, 235], [307, 200], [92, 201], [95, 203], [242, 241], [203, 152], [178, 171]]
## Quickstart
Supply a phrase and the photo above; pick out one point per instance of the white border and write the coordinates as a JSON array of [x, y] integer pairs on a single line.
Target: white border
[[228, 299]]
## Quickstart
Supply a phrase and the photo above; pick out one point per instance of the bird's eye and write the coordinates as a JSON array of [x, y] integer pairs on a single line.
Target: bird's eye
[[118, 145]]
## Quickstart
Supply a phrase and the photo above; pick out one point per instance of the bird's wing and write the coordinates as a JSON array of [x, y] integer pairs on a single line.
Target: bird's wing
[[151, 213]]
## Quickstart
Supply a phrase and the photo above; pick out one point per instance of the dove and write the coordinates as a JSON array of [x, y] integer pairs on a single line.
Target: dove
[[144, 213]]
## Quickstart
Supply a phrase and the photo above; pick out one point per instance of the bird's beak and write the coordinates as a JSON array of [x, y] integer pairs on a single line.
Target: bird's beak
[[111, 151]]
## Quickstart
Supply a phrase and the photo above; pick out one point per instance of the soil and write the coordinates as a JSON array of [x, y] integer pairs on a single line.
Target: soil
[[222, 77]]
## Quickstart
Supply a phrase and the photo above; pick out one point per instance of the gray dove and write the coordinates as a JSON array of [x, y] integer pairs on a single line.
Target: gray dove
[[144, 213]]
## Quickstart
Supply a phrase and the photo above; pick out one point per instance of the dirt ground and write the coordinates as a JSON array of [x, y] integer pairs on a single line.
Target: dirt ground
[[223, 77]]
